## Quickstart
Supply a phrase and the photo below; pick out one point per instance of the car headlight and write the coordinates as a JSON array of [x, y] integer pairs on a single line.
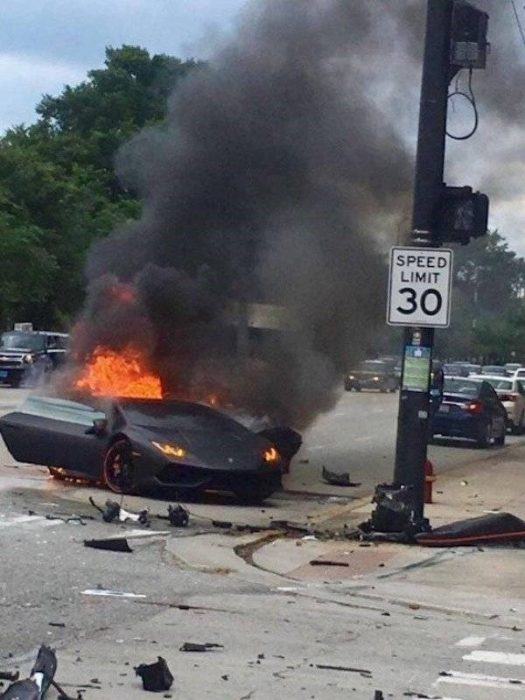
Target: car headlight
[[28, 359], [171, 450], [376, 379], [270, 455], [351, 377]]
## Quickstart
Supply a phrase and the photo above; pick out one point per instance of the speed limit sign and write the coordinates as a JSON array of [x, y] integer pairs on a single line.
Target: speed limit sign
[[419, 287]]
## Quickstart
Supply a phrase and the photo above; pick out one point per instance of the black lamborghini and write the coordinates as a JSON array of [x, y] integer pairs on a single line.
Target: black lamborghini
[[145, 446]]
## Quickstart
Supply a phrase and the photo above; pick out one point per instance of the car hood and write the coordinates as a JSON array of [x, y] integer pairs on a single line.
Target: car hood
[[208, 448]]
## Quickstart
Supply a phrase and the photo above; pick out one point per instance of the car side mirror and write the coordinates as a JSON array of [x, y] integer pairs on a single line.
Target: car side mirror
[[100, 427]]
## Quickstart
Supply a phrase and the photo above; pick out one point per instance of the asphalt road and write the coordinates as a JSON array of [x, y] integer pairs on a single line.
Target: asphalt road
[[358, 436]]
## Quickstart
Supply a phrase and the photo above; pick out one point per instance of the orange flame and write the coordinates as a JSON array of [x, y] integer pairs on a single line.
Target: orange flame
[[122, 374]]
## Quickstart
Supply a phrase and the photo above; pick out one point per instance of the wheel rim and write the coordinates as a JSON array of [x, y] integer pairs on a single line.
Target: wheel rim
[[118, 468]]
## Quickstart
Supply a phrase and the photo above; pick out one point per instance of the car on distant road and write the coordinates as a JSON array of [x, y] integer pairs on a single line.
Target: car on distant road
[[143, 445], [511, 393], [28, 356], [372, 374], [472, 410], [456, 369], [494, 370], [512, 367]]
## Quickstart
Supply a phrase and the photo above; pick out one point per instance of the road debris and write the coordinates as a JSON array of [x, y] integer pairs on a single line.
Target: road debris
[[40, 679], [178, 516], [328, 562], [9, 676], [114, 511], [225, 524], [102, 592], [347, 669], [78, 519], [155, 677], [111, 544], [336, 479], [207, 646]]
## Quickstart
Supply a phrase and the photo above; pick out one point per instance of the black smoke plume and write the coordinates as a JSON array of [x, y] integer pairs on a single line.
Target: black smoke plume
[[276, 178]]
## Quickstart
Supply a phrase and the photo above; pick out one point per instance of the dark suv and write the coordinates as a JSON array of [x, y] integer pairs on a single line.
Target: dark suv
[[27, 356]]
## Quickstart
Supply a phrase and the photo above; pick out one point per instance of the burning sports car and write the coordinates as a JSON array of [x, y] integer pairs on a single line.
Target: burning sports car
[[143, 445]]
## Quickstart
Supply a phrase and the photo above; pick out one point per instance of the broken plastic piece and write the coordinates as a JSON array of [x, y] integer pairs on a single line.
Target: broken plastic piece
[[42, 675], [9, 676], [178, 516], [336, 479], [155, 677], [112, 544], [490, 528], [22, 690], [191, 646]]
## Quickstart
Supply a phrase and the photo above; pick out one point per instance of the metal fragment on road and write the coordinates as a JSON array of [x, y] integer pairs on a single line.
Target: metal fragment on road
[[102, 592]]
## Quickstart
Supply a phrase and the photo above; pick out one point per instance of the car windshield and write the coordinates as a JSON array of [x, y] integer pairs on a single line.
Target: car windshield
[[464, 387], [500, 384], [163, 415], [22, 341], [493, 369], [455, 369], [372, 366]]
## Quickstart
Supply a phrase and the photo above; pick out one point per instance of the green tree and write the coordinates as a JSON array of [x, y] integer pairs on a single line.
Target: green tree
[[487, 308], [58, 189]]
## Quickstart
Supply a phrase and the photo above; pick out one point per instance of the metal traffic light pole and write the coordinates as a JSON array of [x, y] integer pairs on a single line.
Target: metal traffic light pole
[[413, 417], [455, 38]]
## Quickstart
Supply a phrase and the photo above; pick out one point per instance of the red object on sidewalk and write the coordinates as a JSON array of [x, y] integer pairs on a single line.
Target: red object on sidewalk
[[429, 479]]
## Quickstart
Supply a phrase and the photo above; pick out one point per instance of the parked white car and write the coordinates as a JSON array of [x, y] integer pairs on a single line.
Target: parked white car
[[511, 393]]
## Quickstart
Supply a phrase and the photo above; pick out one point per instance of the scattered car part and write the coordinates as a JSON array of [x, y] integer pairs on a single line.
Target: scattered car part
[[111, 594], [155, 677], [395, 516], [328, 562], [490, 528], [10, 676], [178, 516], [111, 544], [225, 524], [349, 669], [114, 510], [191, 646], [41, 678], [336, 479]]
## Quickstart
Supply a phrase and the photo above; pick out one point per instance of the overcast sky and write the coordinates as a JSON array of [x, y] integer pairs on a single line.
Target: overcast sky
[[45, 44]]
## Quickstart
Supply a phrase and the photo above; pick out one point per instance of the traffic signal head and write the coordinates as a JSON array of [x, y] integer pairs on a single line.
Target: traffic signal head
[[469, 43], [462, 214]]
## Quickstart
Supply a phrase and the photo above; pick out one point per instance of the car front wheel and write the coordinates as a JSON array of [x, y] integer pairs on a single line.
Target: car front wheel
[[118, 470]]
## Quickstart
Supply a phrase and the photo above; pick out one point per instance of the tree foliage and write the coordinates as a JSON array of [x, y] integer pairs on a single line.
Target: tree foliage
[[488, 315], [58, 190]]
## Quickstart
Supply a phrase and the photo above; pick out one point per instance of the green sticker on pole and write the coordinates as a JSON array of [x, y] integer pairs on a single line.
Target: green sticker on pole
[[416, 368]]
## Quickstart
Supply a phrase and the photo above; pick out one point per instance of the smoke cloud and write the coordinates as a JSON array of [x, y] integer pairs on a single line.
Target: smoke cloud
[[277, 178]]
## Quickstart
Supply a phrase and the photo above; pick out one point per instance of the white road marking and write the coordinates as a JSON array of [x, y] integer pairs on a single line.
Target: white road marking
[[316, 447], [478, 679], [363, 438], [496, 657], [470, 642]]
